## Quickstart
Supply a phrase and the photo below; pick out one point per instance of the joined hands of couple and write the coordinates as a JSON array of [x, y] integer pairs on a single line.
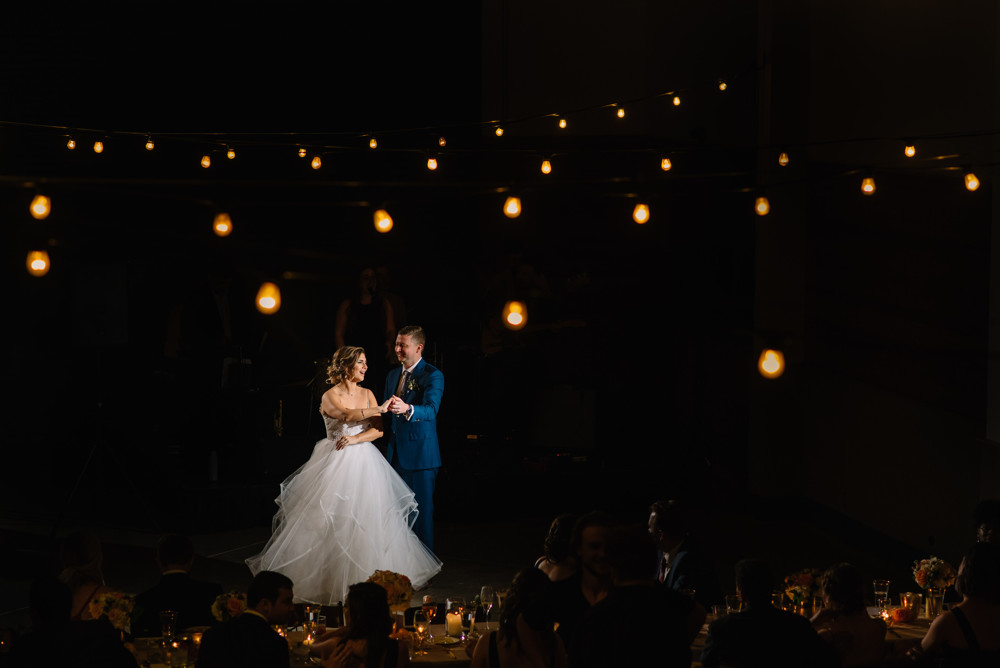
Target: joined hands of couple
[[393, 405]]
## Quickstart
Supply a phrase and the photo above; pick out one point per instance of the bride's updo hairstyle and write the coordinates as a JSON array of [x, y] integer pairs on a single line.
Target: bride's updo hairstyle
[[344, 359]]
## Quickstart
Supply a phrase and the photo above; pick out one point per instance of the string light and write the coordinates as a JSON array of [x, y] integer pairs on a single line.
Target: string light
[[317, 162], [512, 207], [499, 131], [70, 143], [971, 182], [677, 101], [40, 207], [302, 152], [723, 85], [230, 153], [910, 150], [762, 206], [38, 263], [149, 143], [383, 221], [868, 185], [771, 363], [223, 225], [268, 298], [432, 164], [665, 164], [515, 315], [783, 159], [562, 123], [442, 142], [640, 214], [546, 167], [98, 147], [621, 112], [373, 143], [206, 161]]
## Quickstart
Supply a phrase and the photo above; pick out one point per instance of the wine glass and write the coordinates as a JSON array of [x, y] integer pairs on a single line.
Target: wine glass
[[422, 626], [486, 597], [429, 609]]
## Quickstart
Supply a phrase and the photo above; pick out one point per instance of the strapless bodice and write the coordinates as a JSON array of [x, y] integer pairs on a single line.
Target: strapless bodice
[[337, 428]]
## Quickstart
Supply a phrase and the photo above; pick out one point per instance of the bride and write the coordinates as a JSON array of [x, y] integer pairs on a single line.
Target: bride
[[345, 513]]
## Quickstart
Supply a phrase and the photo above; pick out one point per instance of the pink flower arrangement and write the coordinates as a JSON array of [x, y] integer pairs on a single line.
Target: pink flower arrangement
[[933, 573], [116, 606], [229, 605], [397, 587]]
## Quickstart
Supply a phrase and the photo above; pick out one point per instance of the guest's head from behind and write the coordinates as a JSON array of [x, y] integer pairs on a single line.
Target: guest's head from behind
[[987, 520], [843, 589], [631, 555], [754, 581], [526, 598], [81, 559], [175, 552], [590, 536], [558, 540], [270, 594], [979, 573], [346, 363], [368, 609], [50, 603], [667, 524]]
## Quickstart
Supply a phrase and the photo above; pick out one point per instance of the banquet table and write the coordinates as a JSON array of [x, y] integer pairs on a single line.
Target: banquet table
[[438, 655]]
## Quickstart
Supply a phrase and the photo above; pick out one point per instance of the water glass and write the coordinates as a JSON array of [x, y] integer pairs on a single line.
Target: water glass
[[881, 593], [168, 624], [422, 629]]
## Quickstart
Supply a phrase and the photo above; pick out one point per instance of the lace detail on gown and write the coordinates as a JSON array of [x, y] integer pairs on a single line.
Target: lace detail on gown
[[341, 516]]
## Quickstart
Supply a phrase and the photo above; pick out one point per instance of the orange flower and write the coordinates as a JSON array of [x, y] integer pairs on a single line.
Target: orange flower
[[921, 577]]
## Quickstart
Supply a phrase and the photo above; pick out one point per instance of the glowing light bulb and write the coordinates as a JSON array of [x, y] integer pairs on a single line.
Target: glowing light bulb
[[442, 142], [512, 207], [515, 315], [149, 144], [268, 298], [621, 112], [762, 206], [230, 153], [722, 85], [910, 150], [640, 214], [771, 363], [383, 221], [677, 101], [868, 185], [40, 207], [38, 263], [546, 167], [971, 182], [499, 131], [223, 225], [665, 164], [206, 161], [98, 147], [71, 143], [302, 153], [317, 162], [783, 159], [562, 123], [432, 164], [372, 143]]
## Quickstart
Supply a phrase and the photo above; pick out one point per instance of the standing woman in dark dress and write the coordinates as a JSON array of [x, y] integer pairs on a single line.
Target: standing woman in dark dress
[[367, 320]]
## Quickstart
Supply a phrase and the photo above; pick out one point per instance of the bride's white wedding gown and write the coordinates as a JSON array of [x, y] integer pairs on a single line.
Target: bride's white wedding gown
[[343, 515]]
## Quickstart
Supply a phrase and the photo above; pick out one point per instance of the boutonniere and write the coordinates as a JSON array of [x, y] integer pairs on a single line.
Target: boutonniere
[[412, 385]]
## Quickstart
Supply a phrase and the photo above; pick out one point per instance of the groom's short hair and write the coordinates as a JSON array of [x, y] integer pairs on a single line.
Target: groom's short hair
[[415, 332]]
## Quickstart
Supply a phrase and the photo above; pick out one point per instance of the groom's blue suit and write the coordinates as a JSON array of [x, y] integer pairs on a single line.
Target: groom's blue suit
[[413, 444]]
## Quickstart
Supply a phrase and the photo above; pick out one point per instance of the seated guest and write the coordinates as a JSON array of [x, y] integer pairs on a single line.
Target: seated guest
[[177, 590], [639, 622], [56, 642], [365, 642], [248, 640], [682, 565], [571, 597], [762, 635], [987, 520], [525, 636], [844, 622], [969, 633], [558, 561], [81, 558]]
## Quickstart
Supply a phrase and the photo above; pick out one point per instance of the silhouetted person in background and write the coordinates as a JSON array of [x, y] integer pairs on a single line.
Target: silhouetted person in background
[[558, 562], [367, 320], [683, 565], [177, 590], [844, 622]]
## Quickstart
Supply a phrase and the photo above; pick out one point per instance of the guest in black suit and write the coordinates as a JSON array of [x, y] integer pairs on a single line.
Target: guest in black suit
[[177, 590], [762, 635], [683, 565], [248, 641]]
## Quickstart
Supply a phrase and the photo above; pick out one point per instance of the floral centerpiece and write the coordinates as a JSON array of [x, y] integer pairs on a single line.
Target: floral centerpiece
[[802, 586], [933, 573], [229, 605], [397, 587], [116, 606]]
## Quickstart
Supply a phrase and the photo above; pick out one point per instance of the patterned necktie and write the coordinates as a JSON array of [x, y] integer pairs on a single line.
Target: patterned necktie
[[405, 376]]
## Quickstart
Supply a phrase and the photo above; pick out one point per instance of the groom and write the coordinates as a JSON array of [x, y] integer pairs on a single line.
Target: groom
[[414, 391]]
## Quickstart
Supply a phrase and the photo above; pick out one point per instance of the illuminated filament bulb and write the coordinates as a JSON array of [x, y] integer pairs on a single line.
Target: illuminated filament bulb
[[40, 207], [971, 182], [723, 85], [302, 153], [432, 164], [783, 159], [149, 144], [268, 298], [223, 225], [383, 221], [562, 123], [546, 167], [498, 131], [640, 214], [38, 263], [206, 161], [372, 143], [868, 185], [762, 206], [71, 143], [515, 315], [512, 207], [621, 112], [677, 101], [317, 162], [230, 153], [771, 363], [910, 150], [665, 164], [98, 147], [442, 142]]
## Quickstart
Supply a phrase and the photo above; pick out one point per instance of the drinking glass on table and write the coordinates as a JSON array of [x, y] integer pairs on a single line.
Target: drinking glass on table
[[881, 594], [168, 624], [422, 629], [486, 597]]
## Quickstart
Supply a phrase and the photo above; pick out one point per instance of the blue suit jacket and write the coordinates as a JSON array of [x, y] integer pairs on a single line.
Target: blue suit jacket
[[415, 441]]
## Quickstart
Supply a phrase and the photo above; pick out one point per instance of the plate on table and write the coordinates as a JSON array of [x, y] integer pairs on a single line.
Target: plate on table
[[446, 641]]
